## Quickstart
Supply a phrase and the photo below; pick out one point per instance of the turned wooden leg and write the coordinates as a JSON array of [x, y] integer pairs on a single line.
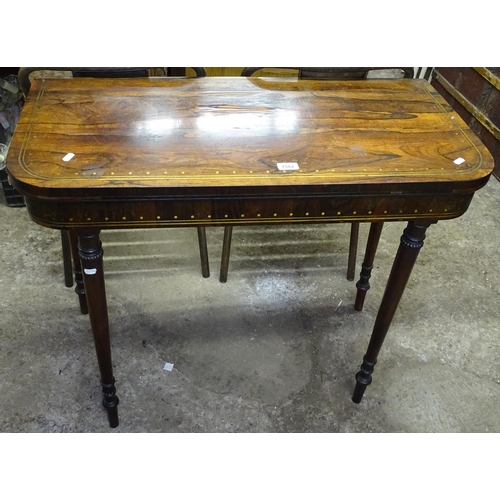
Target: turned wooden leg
[[66, 255], [77, 268], [353, 250], [226, 250], [411, 243], [202, 241], [90, 251], [363, 285]]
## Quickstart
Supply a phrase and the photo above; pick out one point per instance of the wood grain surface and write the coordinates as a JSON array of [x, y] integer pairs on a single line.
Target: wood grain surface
[[233, 131], [366, 150]]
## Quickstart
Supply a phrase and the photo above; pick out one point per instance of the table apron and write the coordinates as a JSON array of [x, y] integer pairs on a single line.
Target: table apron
[[231, 211]]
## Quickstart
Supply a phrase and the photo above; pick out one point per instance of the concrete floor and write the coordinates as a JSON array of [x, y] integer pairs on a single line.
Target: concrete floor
[[275, 349]]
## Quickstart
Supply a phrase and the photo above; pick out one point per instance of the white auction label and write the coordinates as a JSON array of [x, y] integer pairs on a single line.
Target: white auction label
[[90, 271], [288, 166], [68, 157]]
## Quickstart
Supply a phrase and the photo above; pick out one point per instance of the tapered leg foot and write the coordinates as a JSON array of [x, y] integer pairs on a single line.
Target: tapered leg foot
[[363, 380], [409, 248], [110, 402]]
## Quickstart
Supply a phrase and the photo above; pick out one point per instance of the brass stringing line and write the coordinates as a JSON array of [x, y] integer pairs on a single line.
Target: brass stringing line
[[261, 220], [27, 135], [464, 135]]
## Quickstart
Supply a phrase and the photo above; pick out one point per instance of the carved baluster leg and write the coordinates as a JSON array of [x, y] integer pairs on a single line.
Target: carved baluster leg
[[411, 243], [363, 285], [90, 251], [226, 250], [202, 241], [77, 267], [353, 250], [66, 255]]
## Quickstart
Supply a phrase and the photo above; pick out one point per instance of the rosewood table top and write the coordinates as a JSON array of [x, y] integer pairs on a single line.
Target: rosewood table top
[[151, 139]]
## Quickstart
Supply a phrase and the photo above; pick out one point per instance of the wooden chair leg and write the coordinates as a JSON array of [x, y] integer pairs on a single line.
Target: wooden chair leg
[[226, 250], [80, 287], [363, 285], [353, 250], [202, 241], [90, 256], [66, 255], [409, 247]]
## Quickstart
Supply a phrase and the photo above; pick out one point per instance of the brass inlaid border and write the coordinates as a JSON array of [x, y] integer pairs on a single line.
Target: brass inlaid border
[[249, 221], [166, 215], [27, 135]]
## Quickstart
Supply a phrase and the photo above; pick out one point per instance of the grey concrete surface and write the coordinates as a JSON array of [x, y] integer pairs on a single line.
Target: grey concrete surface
[[275, 349]]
